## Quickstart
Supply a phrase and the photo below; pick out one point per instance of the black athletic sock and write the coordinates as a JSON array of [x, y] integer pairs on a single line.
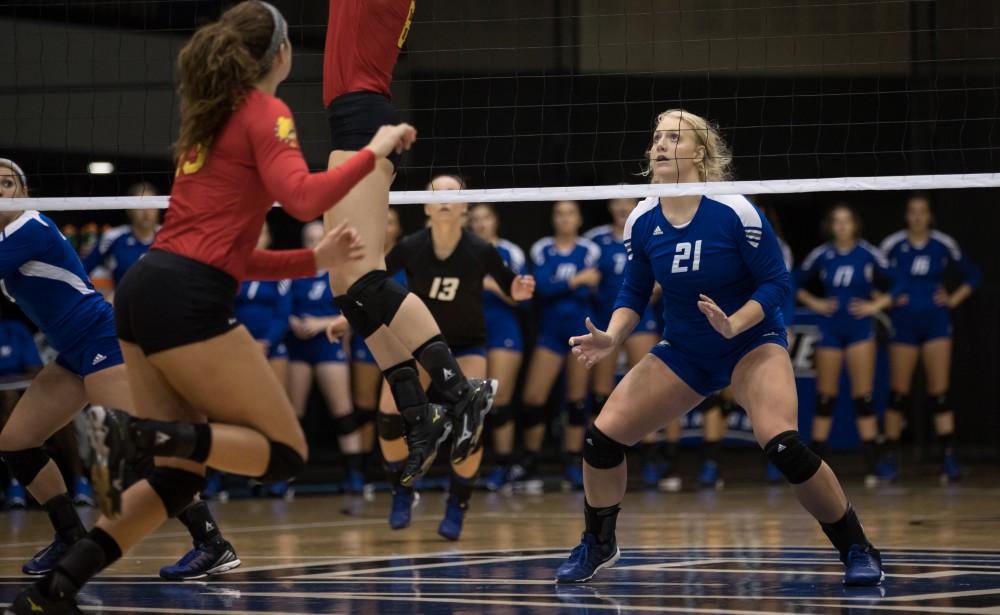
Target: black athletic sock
[[529, 461], [846, 532], [183, 440], [711, 450], [650, 452], [460, 490], [601, 521], [821, 448], [87, 557], [355, 462], [392, 471], [947, 442], [669, 452], [198, 520], [404, 384], [64, 519], [892, 448], [435, 357], [503, 461], [869, 450]]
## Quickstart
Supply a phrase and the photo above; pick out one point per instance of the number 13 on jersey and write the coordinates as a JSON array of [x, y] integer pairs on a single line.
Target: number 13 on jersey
[[683, 255], [443, 289]]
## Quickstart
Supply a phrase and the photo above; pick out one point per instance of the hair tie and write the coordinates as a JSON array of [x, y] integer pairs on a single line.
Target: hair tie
[[17, 171], [277, 37]]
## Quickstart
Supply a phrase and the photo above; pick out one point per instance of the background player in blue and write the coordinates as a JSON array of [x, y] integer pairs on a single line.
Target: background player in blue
[[19, 361], [504, 343], [723, 283], [311, 355], [41, 272], [847, 267], [919, 257], [565, 269], [121, 246], [611, 264]]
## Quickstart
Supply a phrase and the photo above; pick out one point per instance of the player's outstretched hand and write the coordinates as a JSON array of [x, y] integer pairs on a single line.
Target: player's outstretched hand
[[522, 288], [341, 245], [716, 317], [389, 139], [589, 349], [337, 328]]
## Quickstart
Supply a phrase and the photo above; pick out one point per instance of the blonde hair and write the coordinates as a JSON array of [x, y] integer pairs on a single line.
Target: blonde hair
[[716, 164]]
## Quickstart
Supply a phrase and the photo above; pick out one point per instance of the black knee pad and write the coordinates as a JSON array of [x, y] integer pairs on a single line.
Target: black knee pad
[[790, 454], [285, 463], [939, 404], [25, 464], [346, 425], [389, 426], [900, 402], [364, 416], [176, 488], [371, 302], [824, 405], [727, 406], [576, 413], [404, 384], [863, 406], [533, 416], [600, 451], [599, 401], [500, 416]]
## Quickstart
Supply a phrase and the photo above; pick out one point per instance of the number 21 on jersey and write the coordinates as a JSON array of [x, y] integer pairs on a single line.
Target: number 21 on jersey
[[684, 256], [443, 289]]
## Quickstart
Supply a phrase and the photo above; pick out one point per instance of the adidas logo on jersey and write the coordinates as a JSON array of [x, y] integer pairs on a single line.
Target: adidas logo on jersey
[[781, 447], [98, 358], [657, 231], [448, 374]]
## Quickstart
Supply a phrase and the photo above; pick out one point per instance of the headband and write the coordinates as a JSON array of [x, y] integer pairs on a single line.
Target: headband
[[17, 171], [277, 37]]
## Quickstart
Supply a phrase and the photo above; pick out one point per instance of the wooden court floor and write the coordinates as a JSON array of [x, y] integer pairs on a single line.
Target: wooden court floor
[[744, 550]]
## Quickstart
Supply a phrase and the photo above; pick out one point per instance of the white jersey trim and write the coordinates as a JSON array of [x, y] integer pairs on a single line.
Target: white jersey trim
[[38, 269], [643, 208], [597, 231], [949, 242], [814, 255], [20, 221], [538, 249], [890, 242], [593, 251], [516, 255], [875, 252]]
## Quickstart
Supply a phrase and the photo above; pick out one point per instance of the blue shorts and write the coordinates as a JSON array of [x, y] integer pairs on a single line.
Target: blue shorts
[[359, 351], [842, 332], [554, 334], [710, 375], [915, 327], [278, 351], [94, 353], [468, 351], [503, 332], [315, 350]]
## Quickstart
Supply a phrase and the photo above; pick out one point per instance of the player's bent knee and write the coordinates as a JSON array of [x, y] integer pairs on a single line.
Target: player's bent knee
[[25, 464], [372, 301], [824, 405], [176, 488], [389, 426], [600, 451], [500, 416], [863, 406], [939, 404], [792, 457], [285, 463], [347, 424], [900, 402], [576, 413]]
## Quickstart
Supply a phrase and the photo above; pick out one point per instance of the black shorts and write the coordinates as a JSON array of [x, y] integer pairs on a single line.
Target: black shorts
[[166, 301], [355, 118]]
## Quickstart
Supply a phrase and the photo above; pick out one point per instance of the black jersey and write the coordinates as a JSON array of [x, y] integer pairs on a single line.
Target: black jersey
[[451, 288]]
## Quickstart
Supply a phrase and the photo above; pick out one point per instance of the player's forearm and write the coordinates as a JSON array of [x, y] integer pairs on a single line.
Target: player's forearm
[[623, 322], [961, 294], [747, 316]]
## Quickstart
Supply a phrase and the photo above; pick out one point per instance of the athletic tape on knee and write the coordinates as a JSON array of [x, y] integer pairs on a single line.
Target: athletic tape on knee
[[863, 406], [576, 413], [900, 402], [790, 454], [372, 301], [285, 463], [939, 404], [347, 424], [176, 488], [25, 464], [824, 405], [389, 426], [600, 451]]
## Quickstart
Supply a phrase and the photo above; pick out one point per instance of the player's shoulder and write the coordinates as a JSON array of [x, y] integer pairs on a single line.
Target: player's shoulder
[[592, 251], [874, 252], [739, 206], [822, 250], [540, 247], [114, 234], [600, 234], [513, 250], [640, 216], [893, 241], [948, 242], [30, 221]]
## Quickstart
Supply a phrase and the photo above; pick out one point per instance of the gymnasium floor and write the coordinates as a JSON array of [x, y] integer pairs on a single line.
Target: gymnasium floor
[[748, 549]]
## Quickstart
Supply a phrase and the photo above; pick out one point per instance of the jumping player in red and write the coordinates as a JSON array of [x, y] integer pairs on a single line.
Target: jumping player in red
[[363, 40], [188, 358]]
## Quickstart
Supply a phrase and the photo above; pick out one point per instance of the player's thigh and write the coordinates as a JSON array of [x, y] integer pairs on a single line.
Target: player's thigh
[[543, 369], [504, 365], [153, 396], [860, 358], [366, 379], [603, 374], [280, 369], [473, 366], [298, 383], [937, 365], [334, 379], [110, 388], [764, 385], [577, 379], [902, 362], [649, 397], [829, 362], [229, 379], [54, 397], [638, 345]]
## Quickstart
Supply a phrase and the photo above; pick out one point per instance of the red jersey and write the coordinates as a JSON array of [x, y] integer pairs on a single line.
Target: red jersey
[[221, 195], [363, 39]]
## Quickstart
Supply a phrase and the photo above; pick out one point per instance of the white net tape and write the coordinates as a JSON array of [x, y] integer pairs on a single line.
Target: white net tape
[[579, 193]]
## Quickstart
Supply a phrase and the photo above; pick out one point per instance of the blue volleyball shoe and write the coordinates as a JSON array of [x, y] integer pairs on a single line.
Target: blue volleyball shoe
[[201, 561], [863, 567], [587, 559], [451, 526], [403, 503], [45, 560]]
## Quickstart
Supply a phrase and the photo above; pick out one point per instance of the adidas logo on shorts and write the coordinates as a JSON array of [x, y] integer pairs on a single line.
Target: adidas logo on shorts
[[97, 359]]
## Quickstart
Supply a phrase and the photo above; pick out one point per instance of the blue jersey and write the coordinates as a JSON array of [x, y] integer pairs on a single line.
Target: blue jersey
[[727, 251], [513, 257], [846, 276], [611, 264], [117, 250], [788, 309], [553, 270], [312, 297], [920, 270], [18, 352], [263, 308], [42, 273]]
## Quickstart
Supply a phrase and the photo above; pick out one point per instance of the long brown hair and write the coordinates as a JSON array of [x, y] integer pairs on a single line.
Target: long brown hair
[[219, 65]]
